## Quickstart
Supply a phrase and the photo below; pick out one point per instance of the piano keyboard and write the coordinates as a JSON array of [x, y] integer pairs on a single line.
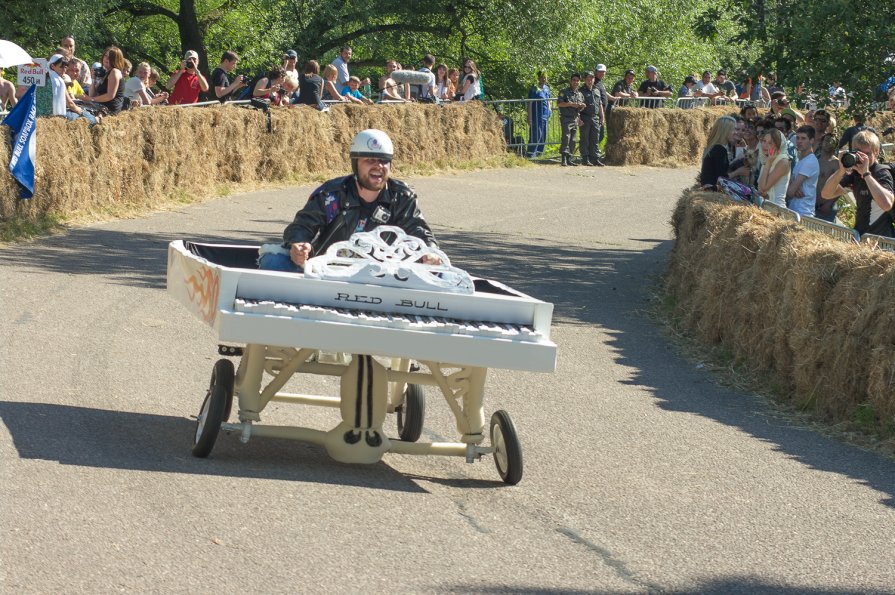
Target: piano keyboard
[[412, 322]]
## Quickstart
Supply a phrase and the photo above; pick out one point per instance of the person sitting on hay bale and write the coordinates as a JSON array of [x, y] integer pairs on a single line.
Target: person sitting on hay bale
[[869, 181]]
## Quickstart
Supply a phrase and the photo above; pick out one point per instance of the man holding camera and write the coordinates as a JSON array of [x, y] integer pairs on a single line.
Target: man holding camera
[[869, 181], [653, 88], [223, 88], [187, 82]]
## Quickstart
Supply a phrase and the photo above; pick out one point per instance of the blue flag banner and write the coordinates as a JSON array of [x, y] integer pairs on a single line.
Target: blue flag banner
[[23, 121]]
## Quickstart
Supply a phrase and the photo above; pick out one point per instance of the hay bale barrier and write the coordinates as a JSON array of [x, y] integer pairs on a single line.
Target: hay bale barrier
[[143, 159], [659, 137], [810, 313]]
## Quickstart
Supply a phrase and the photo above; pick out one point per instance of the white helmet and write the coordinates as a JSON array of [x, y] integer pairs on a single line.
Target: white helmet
[[372, 143]]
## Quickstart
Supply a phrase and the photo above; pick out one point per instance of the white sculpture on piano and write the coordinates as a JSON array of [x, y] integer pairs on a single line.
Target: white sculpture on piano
[[371, 257]]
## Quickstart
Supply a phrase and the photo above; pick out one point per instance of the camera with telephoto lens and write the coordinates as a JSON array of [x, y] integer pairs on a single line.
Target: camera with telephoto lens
[[849, 159], [191, 64]]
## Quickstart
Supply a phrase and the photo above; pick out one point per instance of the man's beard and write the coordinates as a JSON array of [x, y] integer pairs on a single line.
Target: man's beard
[[367, 184]]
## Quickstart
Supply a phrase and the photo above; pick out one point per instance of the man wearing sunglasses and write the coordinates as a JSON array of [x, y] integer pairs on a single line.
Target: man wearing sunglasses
[[341, 207]]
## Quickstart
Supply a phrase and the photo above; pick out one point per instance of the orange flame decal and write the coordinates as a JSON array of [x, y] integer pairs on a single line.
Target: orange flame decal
[[204, 286]]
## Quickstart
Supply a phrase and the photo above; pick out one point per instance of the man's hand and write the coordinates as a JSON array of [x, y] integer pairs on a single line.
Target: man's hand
[[431, 259], [299, 253], [863, 164]]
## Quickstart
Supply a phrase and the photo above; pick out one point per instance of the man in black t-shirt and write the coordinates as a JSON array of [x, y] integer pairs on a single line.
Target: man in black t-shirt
[[870, 182], [220, 82], [653, 88]]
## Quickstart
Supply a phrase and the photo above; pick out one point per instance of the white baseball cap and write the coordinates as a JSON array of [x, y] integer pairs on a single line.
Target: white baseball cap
[[55, 58], [600, 68], [190, 54]]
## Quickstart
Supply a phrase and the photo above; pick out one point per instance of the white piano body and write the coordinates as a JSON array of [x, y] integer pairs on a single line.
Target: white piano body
[[287, 318]]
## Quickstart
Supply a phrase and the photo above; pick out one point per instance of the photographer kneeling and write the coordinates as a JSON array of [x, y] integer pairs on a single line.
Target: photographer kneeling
[[870, 182]]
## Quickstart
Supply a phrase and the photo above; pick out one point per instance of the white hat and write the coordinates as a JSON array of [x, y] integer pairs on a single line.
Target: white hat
[[190, 54], [372, 143], [600, 68], [55, 58]]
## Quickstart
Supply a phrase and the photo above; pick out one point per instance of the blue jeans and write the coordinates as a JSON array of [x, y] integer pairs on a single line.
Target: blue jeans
[[537, 136], [278, 262], [69, 115]]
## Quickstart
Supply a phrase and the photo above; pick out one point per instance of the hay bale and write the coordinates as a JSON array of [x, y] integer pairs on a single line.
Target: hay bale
[[807, 311], [145, 158], [659, 137]]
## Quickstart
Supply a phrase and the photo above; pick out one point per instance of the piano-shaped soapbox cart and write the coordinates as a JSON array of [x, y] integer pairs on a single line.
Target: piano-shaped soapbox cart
[[369, 312]]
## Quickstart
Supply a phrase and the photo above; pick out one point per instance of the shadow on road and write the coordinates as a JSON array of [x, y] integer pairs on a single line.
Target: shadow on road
[[127, 258], [723, 586], [138, 441], [610, 288]]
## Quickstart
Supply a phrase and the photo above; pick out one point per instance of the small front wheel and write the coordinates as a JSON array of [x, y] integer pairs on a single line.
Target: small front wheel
[[215, 408], [411, 413], [507, 449]]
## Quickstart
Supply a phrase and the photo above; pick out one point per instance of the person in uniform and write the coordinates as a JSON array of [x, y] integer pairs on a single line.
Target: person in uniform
[[590, 121], [343, 206], [538, 115], [599, 75], [570, 102]]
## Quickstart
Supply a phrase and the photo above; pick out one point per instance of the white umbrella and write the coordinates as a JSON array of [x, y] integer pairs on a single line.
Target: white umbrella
[[13, 55]]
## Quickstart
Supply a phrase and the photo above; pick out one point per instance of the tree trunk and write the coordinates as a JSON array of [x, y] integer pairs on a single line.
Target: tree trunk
[[191, 35]]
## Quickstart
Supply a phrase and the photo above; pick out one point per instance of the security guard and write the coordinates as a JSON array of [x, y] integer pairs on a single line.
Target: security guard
[[599, 74], [570, 103], [590, 121]]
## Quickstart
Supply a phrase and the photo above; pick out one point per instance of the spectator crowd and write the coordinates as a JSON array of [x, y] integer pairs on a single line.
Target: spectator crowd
[[74, 89]]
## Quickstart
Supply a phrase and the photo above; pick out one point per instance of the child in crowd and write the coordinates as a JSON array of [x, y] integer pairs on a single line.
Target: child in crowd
[[352, 91]]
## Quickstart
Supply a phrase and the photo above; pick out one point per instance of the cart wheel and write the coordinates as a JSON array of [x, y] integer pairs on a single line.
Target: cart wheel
[[223, 374], [507, 450], [411, 413], [215, 408]]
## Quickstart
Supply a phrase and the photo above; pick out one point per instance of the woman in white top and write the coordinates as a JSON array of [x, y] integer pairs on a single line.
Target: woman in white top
[[136, 87], [470, 88], [775, 172]]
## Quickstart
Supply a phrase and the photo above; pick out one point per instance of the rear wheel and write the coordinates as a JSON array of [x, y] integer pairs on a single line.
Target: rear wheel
[[411, 413]]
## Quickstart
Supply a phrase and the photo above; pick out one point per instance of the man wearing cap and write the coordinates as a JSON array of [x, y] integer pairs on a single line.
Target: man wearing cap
[[589, 121], [290, 58], [687, 89], [341, 64], [570, 103], [623, 89], [223, 88], [653, 88], [188, 82], [343, 206]]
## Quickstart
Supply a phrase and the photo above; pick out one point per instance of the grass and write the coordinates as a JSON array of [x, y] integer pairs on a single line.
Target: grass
[[861, 429], [19, 228]]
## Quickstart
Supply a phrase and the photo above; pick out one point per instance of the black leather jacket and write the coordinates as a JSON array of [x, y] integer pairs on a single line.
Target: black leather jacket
[[333, 212]]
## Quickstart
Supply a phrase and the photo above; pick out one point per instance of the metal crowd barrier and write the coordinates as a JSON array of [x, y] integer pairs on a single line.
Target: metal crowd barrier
[[782, 212], [517, 129], [690, 102], [846, 234], [875, 241]]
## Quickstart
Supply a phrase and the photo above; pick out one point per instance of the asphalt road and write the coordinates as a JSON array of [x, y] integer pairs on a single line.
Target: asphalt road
[[642, 474]]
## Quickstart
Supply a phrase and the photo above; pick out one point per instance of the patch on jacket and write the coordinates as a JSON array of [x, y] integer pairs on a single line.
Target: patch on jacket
[[330, 207]]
